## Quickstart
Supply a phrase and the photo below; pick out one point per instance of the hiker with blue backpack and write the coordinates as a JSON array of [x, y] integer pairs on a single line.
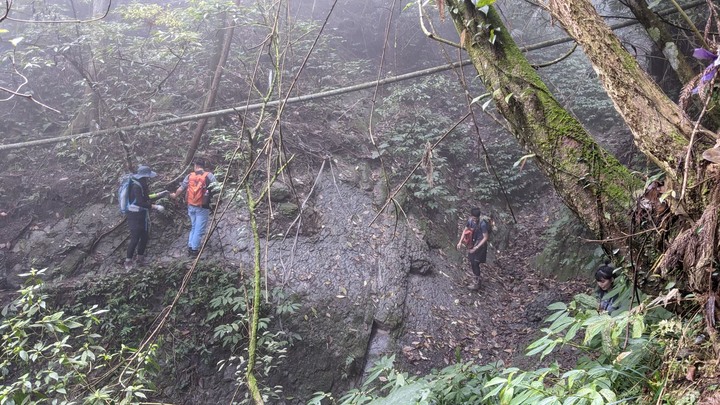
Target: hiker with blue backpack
[[475, 237], [136, 202]]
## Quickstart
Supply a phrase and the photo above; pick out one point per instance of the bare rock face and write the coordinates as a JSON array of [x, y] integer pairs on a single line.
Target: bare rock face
[[351, 278]]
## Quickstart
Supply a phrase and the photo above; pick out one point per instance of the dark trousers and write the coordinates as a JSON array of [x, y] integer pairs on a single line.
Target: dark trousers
[[478, 258], [139, 224]]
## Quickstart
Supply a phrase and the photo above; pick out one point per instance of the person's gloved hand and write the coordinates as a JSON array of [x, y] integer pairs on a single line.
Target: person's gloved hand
[[158, 207]]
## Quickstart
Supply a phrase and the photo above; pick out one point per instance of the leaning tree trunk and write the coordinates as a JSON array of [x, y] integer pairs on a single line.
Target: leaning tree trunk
[[209, 102], [661, 129], [591, 182], [664, 133]]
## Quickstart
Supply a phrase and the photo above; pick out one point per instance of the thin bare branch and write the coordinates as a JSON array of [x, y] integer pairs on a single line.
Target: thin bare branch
[[17, 93], [7, 15], [432, 35], [558, 60], [8, 5]]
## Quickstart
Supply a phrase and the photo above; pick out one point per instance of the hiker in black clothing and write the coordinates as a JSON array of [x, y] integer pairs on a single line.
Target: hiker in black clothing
[[477, 249], [138, 216], [605, 278]]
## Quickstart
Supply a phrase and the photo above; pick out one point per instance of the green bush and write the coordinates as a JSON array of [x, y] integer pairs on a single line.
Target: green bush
[[622, 355], [48, 356]]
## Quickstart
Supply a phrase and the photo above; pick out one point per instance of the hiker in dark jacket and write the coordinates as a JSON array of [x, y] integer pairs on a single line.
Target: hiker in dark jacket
[[138, 216], [477, 251], [605, 278]]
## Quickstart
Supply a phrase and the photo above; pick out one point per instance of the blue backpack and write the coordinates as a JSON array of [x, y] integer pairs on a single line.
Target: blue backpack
[[123, 194]]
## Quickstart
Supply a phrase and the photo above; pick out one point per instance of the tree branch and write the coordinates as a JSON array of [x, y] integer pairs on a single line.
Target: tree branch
[[16, 92], [430, 34], [7, 15], [8, 5]]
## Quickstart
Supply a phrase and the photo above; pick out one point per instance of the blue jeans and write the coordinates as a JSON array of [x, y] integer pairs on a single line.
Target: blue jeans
[[198, 223]]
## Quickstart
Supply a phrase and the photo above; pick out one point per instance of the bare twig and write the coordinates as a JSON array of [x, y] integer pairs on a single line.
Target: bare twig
[[16, 92], [432, 35], [8, 5], [690, 144], [7, 12], [558, 60]]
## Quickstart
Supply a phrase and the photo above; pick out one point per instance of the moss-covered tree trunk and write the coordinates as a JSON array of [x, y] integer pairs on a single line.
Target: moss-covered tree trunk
[[254, 307], [660, 128], [662, 132], [590, 180]]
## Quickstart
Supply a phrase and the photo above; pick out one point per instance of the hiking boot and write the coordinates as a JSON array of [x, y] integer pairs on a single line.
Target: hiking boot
[[475, 285], [140, 260], [128, 264], [193, 252]]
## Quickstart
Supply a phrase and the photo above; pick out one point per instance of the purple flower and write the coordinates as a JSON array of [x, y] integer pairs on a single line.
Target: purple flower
[[710, 70]]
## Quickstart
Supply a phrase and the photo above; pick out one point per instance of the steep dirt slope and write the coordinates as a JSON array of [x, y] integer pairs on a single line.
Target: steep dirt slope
[[366, 290]]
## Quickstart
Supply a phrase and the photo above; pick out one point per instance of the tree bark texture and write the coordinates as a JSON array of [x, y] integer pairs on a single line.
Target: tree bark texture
[[658, 32], [660, 128], [662, 132], [591, 182]]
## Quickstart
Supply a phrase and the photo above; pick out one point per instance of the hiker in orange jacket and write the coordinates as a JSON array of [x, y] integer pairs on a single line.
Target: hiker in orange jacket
[[197, 185]]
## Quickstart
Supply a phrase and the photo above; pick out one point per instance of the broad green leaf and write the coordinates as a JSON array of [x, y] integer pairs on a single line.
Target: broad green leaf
[[572, 332], [561, 323], [496, 381], [550, 348], [609, 395], [542, 344], [638, 327], [595, 325], [553, 400]]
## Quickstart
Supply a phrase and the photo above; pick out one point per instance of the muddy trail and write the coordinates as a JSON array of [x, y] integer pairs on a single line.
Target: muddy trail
[[499, 321]]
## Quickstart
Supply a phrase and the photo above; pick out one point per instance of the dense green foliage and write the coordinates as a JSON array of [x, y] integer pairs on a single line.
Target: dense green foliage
[[49, 356], [624, 360], [50, 353]]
